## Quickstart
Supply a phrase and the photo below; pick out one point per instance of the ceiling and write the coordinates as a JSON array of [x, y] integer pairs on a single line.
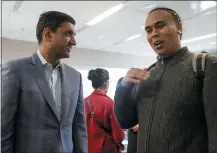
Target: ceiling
[[110, 33]]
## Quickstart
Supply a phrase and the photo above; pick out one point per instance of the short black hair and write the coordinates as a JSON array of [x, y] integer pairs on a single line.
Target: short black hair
[[175, 15], [98, 77], [52, 20]]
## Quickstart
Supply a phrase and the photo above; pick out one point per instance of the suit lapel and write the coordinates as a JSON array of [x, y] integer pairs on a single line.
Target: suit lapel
[[65, 93], [39, 75]]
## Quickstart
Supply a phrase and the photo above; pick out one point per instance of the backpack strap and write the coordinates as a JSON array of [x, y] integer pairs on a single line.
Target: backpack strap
[[198, 63], [92, 114]]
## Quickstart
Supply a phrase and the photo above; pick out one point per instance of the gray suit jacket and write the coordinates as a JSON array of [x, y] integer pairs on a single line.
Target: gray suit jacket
[[29, 118]]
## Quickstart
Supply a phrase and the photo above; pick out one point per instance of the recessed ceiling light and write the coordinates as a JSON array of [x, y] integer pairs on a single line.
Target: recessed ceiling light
[[101, 37], [143, 27], [207, 4], [133, 37], [198, 38], [106, 14], [150, 6], [213, 43], [194, 5], [209, 12]]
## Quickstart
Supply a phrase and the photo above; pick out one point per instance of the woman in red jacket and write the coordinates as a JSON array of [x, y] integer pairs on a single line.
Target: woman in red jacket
[[104, 133]]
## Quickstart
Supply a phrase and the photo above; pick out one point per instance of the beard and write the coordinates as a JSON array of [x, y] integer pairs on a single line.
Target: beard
[[60, 51]]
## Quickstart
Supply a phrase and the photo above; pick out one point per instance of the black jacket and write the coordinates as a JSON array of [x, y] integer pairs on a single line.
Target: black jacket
[[177, 113], [132, 142]]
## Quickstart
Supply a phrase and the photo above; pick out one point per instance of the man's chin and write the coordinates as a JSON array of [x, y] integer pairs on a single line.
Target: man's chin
[[66, 55], [160, 52]]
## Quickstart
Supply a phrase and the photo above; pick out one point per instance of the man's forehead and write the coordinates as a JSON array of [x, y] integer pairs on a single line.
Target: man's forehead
[[67, 26], [157, 16]]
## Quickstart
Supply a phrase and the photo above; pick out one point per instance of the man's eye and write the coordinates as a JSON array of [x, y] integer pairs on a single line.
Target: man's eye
[[148, 30], [68, 34], [160, 26]]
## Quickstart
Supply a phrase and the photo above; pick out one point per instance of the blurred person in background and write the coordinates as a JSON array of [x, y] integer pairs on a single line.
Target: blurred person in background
[[104, 133], [42, 109], [174, 103], [132, 139]]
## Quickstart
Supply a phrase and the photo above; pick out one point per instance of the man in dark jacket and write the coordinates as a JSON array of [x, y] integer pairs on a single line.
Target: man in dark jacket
[[132, 139], [176, 111]]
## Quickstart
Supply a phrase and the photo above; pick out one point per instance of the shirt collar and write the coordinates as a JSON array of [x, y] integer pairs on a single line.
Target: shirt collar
[[171, 55], [43, 60], [97, 92]]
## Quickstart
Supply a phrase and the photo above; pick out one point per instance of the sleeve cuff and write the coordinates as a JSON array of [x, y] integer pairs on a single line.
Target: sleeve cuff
[[119, 85]]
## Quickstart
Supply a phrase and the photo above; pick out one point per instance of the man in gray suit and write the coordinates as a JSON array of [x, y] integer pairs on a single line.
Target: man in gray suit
[[42, 98]]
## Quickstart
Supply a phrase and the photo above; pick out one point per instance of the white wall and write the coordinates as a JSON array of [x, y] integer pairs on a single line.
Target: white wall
[[80, 57], [115, 75]]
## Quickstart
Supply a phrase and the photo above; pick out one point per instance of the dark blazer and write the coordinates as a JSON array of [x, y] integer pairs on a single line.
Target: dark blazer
[[29, 118], [176, 112]]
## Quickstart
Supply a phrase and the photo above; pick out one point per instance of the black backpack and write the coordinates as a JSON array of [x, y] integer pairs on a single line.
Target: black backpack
[[198, 63]]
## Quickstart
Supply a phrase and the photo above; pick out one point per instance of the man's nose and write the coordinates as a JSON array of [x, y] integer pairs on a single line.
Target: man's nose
[[155, 33], [72, 41]]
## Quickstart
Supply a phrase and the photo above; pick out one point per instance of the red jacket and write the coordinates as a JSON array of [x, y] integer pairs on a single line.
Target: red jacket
[[103, 107]]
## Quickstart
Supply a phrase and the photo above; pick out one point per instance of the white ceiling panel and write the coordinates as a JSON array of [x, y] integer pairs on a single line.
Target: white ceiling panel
[[113, 29], [110, 33], [200, 25], [185, 9], [138, 46], [81, 11]]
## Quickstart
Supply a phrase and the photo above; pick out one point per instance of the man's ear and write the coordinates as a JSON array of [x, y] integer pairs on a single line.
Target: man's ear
[[179, 28], [47, 34]]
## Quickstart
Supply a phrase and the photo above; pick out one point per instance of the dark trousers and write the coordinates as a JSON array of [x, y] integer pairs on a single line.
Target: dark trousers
[[132, 142]]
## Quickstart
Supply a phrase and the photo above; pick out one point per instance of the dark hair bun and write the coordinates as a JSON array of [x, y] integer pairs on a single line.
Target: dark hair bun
[[98, 77], [92, 74]]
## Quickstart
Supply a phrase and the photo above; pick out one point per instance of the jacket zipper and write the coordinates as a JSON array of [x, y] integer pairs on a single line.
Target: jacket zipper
[[153, 107]]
